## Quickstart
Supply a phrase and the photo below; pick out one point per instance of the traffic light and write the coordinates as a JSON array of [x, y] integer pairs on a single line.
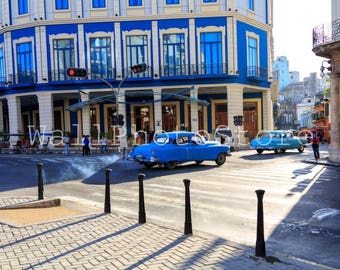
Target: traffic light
[[238, 120], [76, 72], [120, 120], [139, 68]]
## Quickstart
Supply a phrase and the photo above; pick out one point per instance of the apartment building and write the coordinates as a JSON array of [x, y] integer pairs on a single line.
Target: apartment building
[[207, 61]]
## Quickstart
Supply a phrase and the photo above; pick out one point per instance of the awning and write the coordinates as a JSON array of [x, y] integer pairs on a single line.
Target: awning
[[111, 98]]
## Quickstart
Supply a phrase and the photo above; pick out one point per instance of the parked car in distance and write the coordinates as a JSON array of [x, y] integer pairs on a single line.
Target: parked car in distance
[[278, 141], [172, 148], [224, 135]]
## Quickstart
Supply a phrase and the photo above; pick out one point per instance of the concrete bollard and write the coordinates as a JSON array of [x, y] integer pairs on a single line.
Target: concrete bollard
[[141, 215], [260, 250], [187, 223], [107, 204], [40, 182]]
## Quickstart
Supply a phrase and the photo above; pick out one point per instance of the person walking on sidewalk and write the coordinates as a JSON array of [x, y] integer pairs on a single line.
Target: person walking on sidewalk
[[66, 141], [87, 151], [315, 139]]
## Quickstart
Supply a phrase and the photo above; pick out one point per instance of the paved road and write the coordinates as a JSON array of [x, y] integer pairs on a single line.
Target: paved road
[[301, 204]]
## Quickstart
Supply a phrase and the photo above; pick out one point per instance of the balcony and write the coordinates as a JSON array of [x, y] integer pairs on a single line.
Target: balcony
[[199, 70], [255, 73], [326, 33]]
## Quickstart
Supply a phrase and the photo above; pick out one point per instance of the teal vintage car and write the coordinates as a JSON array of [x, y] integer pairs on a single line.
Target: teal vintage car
[[172, 148], [278, 141]]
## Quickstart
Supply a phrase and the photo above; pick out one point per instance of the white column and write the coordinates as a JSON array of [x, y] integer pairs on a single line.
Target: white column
[[118, 48], [157, 95], [1, 117], [85, 116], [231, 50], [122, 110], [46, 112], [235, 103], [235, 107], [268, 122], [194, 110], [81, 46], [334, 148], [116, 7], [192, 36], [14, 115], [155, 51], [42, 70]]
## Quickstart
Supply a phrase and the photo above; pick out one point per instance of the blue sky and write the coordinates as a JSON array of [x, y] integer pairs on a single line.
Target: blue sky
[[293, 25]]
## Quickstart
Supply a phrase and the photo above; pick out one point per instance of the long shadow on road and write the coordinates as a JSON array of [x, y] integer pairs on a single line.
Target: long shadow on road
[[312, 229], [123, 171]]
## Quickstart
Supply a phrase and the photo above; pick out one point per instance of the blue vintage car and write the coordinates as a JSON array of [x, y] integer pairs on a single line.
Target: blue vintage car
[[278, 141], [172, 148]]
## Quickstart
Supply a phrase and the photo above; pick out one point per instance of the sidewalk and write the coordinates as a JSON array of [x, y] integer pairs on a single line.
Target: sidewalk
[[94, 240]]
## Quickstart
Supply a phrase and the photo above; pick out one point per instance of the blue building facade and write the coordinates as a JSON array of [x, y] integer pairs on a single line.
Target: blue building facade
[[207, 62]]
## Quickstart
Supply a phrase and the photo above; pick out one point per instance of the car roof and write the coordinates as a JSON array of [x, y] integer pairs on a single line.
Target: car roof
[[173, 134]]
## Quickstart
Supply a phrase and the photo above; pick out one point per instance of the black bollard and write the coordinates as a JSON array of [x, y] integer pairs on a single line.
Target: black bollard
[[124, 151], [107, 205], [40, 182], [187, 223], [141, 216], [260, 250]]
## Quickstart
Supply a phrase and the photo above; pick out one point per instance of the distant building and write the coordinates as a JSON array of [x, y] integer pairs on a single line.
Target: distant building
[[304, 112], [281, 72], [294, 76]]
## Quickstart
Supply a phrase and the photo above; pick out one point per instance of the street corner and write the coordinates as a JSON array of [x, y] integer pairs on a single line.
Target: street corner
[[20, 212]]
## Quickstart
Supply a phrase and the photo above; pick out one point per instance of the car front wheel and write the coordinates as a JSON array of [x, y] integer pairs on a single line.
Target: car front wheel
[[259, 151], [170, 165], [199, 161], [301, 148], [220, 159]]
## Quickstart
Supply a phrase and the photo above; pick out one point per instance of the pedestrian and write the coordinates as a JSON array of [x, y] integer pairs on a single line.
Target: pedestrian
[[315, 138], [66, 141], [103, 144], [83, 145], [87, 146]]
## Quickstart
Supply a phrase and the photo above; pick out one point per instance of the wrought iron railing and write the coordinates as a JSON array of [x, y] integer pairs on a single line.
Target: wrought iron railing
[[257, 73], [326, 33], [218, 69]]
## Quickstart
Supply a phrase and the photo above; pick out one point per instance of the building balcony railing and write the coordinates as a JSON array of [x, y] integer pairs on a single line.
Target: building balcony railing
[[326, 33], [218, 70], [257, 73], [22, 78], [199, 70]]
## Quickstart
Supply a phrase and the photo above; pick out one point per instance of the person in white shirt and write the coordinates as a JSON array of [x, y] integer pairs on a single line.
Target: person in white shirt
[[66, 141], [103, 144]]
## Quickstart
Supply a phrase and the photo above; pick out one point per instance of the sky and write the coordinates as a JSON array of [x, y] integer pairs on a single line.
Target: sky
[[293, 25]]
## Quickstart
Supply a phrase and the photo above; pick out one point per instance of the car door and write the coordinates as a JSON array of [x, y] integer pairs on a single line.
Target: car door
[[197, 149]]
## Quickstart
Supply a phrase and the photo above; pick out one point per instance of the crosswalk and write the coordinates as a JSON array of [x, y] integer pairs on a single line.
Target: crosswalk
[[223, 199]]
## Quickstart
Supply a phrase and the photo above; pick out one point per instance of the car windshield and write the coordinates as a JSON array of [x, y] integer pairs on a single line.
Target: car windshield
[[162, 139]]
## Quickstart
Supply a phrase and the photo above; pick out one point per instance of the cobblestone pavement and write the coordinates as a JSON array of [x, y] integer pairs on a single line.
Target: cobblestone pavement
[[109, 241]]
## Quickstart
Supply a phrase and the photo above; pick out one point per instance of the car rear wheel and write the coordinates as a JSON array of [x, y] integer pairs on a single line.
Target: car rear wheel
[[259, 151], [301, 148], [170, 165], [199, 161], [148, 165], [220, 159], [276, 151], [283, 150]]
